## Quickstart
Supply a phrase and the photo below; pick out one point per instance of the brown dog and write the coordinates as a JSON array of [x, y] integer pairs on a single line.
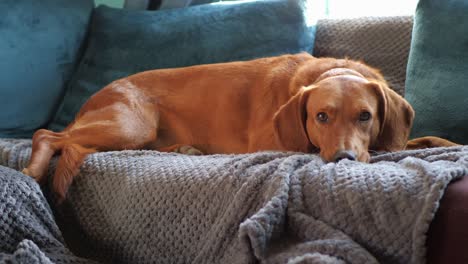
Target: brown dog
[[289, 103]]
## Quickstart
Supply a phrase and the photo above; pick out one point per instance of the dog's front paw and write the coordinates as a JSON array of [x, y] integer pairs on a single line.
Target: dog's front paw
[[188, 150], [26, 172]]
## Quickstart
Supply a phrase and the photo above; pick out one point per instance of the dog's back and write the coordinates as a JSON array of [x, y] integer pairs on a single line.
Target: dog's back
[[218, 108]]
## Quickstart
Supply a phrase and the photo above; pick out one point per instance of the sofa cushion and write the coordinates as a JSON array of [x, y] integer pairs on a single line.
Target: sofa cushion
[[40, 43], [382, 42], [123, 42], [437, 70]]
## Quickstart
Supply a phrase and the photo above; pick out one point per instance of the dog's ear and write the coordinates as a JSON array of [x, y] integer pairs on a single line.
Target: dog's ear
[[289, 123], [396, 119]]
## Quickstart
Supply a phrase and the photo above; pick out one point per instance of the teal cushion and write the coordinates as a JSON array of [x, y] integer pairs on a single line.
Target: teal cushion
[[123, 42], [437, 75], [39, 47]]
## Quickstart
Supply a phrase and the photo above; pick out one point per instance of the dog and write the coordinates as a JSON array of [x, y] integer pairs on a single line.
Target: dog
[[339, 107]]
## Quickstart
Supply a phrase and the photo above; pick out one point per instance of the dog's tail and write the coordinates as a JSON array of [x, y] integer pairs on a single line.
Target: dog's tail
[[68, 166]]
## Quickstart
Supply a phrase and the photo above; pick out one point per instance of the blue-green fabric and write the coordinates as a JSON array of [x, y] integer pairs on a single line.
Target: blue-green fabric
[[168, 4], [123, 42], [39, 47], [437, 74]]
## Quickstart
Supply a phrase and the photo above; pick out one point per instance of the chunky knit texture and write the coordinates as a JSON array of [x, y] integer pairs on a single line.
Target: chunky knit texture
[[145, 206], [28, 232]]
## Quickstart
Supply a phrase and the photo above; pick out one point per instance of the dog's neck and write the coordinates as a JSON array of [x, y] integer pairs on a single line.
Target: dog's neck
[[316, 69], [338, 72]]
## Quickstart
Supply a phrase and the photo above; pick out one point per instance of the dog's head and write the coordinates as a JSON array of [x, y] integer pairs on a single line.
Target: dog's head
[[344, 115]]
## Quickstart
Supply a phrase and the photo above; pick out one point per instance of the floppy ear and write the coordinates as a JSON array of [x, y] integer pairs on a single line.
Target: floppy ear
[[289, 124], [396, 119]]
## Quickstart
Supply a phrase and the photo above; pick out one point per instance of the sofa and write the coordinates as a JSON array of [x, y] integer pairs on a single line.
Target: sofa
[[263, 207], [362, 39]]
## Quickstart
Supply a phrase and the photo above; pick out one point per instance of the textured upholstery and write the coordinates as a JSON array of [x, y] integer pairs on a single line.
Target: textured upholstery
[[437, 70], [382, 42], [40, 44]]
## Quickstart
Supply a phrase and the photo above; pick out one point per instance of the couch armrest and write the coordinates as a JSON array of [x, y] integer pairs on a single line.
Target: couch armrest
[[448, 233]]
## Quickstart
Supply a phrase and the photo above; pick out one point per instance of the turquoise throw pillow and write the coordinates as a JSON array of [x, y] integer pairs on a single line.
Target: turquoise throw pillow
[[123, 42], [40, 42], [437, 73]]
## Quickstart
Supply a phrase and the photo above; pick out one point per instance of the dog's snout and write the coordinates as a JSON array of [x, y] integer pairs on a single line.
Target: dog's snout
[[344, 154]]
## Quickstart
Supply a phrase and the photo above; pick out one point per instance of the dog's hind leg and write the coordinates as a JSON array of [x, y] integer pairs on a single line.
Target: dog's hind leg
[[115, 127], [43, 148], [127, 131]]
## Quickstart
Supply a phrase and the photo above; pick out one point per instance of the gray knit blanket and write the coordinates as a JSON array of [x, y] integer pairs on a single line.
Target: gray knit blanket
[[267, 207]]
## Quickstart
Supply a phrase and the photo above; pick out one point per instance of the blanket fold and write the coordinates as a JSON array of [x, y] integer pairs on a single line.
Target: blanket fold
[[270, 207], [28, 232]]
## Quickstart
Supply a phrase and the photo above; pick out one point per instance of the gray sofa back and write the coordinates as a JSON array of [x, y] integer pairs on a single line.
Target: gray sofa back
[[382, 42]]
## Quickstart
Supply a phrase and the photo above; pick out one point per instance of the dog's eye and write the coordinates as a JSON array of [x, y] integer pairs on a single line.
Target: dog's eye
[[322, 117], [364, 116]]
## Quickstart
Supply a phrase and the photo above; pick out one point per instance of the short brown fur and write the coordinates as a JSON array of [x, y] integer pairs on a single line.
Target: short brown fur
[[237, 107]]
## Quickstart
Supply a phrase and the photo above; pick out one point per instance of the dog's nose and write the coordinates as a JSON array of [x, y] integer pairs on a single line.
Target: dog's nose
[[344, 154]]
